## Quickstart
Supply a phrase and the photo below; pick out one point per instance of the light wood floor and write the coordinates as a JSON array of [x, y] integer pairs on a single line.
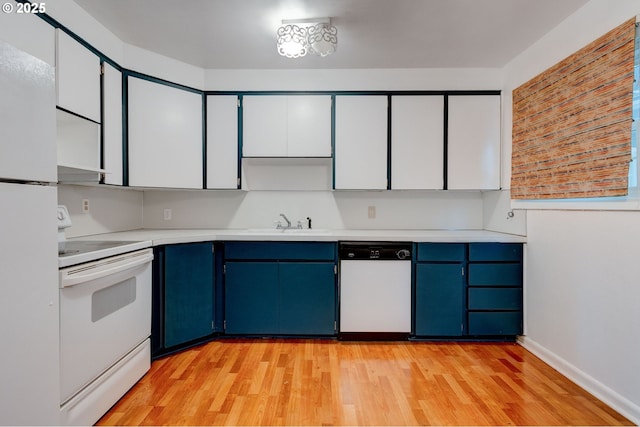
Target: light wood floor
[[312, 382]]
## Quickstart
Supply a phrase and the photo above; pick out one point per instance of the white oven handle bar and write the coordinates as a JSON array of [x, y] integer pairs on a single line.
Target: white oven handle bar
[[95, 270]]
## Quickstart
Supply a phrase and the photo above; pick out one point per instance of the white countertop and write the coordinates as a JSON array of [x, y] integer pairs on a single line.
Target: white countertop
[[159, 237]]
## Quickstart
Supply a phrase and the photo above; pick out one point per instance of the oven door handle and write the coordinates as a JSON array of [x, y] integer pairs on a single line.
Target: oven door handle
[[71, 277]]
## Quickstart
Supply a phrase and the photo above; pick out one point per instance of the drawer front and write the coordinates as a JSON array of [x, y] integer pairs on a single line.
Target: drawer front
[[441, 251], [495, 252], [495, 274], [307, 251], [495, 299], [496, 323]]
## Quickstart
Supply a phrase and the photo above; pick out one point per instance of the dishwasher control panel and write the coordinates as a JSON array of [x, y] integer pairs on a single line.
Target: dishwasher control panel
[[375, 251]]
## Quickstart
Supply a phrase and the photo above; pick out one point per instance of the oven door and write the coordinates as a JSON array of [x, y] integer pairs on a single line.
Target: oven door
[[105, 312]]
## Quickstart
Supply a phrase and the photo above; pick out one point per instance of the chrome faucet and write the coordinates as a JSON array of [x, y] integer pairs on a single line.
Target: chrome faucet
[[279, 226], [286, 219]]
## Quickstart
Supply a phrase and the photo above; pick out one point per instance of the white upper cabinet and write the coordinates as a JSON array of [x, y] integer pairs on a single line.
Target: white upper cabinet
[[222, 141], [417, 142], [165, 136], [474, 142], [309, 126], [77, 78], [286, 126], [112, 125], [361, 142]]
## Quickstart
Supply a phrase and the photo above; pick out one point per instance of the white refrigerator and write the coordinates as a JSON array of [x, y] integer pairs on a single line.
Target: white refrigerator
[[29, 332]]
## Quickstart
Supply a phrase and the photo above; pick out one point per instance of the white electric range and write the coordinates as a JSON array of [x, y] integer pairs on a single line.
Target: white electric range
[[105, 323]]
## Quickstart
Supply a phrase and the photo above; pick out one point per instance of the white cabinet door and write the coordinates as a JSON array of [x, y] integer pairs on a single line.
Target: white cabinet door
[[77, 78], [264, 126], [417, 142], [222, 141], [286, 126], [165, 136], [112, 125], [309, 126], [361, 142], [474, 142]]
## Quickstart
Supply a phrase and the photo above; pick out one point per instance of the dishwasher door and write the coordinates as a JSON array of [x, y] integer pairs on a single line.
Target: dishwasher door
[[375, 296]]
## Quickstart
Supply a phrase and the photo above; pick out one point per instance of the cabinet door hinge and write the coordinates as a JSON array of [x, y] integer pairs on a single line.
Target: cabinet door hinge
[[335, 326], [335, 269], [462, 270], [224, 269], [213, 326], [224, 325], [239, 103], [102, 69], [213, 249], [238, 182]]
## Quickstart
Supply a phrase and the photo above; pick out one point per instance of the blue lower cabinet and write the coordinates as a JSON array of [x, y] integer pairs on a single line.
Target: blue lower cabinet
[[495, 323], [251, 298], [307, 298], [495, 289], [280, 298], [188, 292], [495, 274], [495, 298], [439, 303]]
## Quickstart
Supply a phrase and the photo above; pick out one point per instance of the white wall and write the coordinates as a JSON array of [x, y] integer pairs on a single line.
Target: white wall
[[360, 79], [498, 216], [582, 295], [327, 209], [582, 277], [111, 209]]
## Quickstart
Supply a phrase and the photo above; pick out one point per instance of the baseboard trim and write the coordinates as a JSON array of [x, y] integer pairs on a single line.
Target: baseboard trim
[[616, 401]]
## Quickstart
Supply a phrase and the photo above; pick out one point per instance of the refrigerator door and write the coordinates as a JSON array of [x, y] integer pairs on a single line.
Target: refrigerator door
[[27, 117], [30, 356]]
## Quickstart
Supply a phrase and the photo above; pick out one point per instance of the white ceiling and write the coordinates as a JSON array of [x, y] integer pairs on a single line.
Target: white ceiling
[[238, 34]]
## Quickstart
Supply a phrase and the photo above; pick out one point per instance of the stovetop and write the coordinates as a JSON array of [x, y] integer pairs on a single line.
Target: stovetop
[[80, 251]]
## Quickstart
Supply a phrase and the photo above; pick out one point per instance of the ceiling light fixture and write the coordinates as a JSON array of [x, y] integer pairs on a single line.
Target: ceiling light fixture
[[298, 37]]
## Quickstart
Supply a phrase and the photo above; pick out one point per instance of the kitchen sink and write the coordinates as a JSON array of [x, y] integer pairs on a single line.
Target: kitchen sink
[[298, 231]]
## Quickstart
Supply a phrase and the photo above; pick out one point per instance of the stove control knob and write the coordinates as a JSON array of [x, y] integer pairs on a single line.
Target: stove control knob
[[403, 254]]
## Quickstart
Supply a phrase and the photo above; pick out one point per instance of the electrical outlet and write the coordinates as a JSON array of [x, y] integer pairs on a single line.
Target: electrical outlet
[[167, 214], [85, 205], [371, 212]]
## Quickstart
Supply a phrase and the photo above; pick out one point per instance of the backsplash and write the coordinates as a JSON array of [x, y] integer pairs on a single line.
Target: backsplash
[[110, 209], [327, 209], [113, 209]]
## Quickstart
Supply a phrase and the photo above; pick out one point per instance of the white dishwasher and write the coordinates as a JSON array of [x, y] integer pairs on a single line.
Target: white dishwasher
[[375, 290]]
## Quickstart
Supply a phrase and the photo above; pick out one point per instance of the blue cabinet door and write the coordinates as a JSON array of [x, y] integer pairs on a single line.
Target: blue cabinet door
[[439, 300], [307, 298], [188, 292], [251, 298]]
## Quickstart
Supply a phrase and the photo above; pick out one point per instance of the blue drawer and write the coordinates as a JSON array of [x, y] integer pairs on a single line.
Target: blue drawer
[[307, 251], [495, 252], [495, 323], [441, 251], [495, 299], [495, 274]]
